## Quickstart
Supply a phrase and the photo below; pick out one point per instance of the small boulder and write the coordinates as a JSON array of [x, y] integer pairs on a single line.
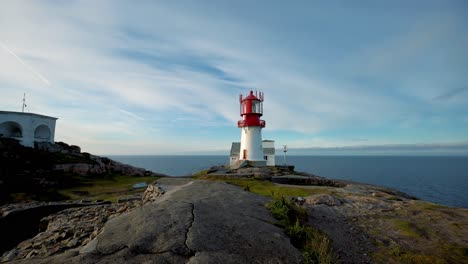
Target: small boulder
[[152, 192]]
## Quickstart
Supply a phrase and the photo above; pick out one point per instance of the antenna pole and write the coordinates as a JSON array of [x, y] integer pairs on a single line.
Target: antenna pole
[[24, 101]]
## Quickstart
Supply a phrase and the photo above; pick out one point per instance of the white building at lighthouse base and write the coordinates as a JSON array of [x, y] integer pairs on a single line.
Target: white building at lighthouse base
[[267, 152]]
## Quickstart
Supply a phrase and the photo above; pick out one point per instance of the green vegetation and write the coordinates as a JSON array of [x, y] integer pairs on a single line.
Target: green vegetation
[[412, 257], [265, 188], [432, 206], [200, 173], [105, 188], [447, 253], [409, 229], [313, 243], [422, 233]]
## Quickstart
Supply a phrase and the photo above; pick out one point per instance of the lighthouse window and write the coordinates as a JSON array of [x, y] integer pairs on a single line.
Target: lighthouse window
[[256, 107]]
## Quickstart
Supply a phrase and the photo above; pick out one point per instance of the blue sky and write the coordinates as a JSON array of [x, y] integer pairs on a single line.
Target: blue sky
[[163, 77]]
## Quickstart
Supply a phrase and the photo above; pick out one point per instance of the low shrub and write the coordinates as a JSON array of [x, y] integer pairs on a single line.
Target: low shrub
[[314, 244]]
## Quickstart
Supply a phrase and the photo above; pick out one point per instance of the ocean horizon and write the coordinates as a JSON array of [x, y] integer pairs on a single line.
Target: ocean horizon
[[437, 179]]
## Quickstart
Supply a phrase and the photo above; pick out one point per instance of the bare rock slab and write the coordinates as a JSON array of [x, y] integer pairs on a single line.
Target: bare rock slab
[[203, 222]]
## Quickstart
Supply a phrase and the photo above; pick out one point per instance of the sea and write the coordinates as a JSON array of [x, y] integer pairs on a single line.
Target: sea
[[442, 180]]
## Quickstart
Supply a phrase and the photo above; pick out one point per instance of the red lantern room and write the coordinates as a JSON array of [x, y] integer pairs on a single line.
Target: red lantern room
[[251, 109]]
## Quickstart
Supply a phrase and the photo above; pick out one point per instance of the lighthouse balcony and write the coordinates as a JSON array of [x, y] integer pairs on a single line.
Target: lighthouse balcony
[[245, 123]]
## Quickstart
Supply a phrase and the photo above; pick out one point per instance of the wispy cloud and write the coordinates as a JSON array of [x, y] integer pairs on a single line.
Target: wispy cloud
[[40, 76], [452, 93], [169, 75]]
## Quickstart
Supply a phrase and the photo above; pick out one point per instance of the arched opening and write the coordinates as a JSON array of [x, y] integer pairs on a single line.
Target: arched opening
[[11, 129], [42, 133]]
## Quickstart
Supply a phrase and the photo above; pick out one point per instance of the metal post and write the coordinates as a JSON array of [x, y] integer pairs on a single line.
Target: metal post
[[285, 149]]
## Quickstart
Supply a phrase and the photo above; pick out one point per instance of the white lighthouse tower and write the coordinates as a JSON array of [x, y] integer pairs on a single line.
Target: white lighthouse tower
[[251, 149]]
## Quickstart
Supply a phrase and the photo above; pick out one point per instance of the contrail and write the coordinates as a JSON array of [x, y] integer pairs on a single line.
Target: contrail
[[40, 76]]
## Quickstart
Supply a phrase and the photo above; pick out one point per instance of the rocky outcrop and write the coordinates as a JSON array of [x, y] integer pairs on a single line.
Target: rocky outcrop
[[37, 173], [102, 166], [58, 147], [201, 222]]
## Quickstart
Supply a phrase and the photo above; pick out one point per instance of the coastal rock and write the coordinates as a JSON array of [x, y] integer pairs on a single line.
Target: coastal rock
[[202, 222], [61, 147], [100, 166]]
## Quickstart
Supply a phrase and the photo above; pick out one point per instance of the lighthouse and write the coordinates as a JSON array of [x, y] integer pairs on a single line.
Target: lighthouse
[[251, 150], [251, 109]]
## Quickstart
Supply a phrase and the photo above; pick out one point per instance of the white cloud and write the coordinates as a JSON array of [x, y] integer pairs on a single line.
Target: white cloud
[[98, 92]]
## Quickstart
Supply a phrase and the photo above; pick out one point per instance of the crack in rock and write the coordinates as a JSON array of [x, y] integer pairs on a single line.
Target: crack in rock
[[192, 252]]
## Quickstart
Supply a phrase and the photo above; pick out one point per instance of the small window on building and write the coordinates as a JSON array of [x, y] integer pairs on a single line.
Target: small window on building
[[265, 157]]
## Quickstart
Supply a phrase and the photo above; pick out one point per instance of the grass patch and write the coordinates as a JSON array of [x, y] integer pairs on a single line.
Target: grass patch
[[108, 188], [200, 173], [445, 254], [264, 188], [394, 198], [397, 254], [314, 244], [454, 253], [431, 206], [409, 229]]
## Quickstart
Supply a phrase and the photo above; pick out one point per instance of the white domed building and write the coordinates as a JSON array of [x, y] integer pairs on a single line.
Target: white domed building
[[27, 128]]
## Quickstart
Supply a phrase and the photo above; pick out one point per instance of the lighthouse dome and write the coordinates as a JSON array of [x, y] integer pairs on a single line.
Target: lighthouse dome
[[251, 96]]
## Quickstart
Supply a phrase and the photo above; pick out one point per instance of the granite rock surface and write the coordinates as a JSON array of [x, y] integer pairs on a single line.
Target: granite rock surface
[[195, 222]]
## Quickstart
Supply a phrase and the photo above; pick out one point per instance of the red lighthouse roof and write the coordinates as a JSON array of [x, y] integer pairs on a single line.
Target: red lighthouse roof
[[251, 108], [251, 96]]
